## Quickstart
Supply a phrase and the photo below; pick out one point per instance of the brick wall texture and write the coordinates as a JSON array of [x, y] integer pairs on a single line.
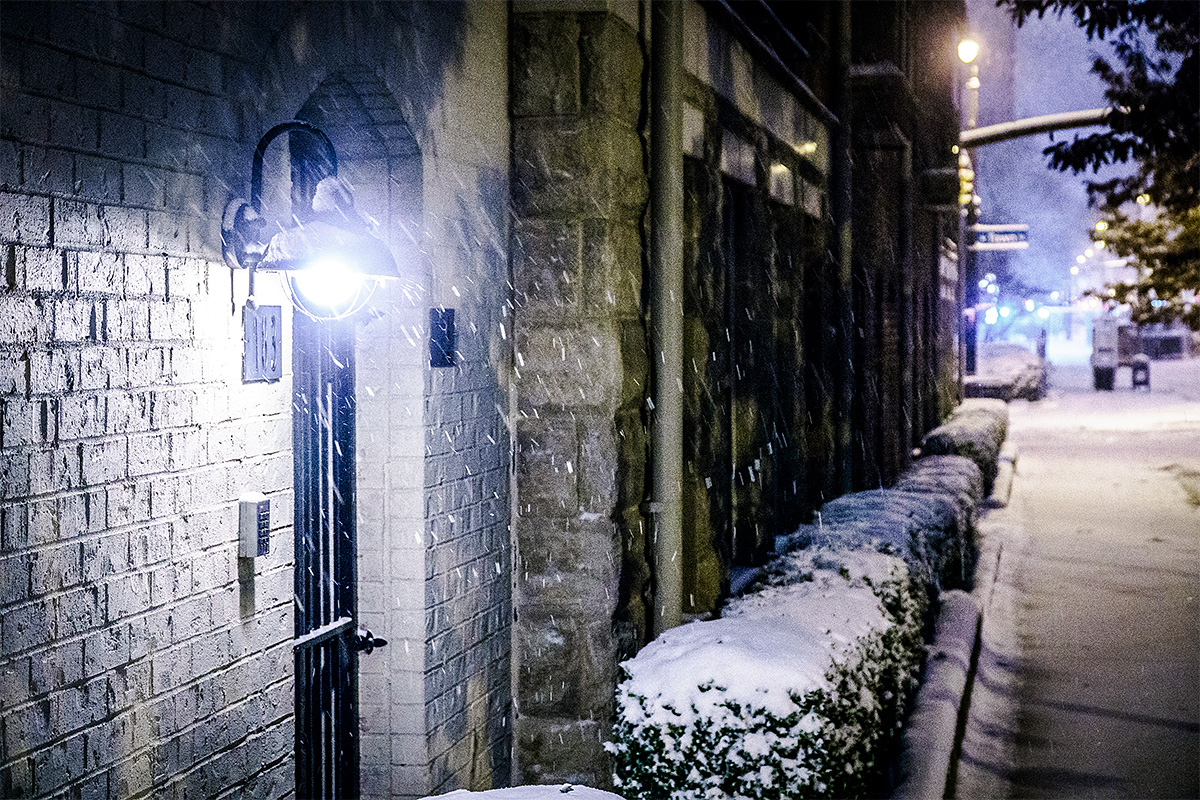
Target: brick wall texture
[[139, 657], [135, 661]]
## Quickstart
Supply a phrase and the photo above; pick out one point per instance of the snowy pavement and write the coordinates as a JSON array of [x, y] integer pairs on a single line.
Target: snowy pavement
[[1089, 674]]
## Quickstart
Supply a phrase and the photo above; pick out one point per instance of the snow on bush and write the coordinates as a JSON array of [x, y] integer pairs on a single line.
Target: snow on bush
[[956, 477], [975, 429], [957, 482], [796, 691], [927, 519], [560, 792]]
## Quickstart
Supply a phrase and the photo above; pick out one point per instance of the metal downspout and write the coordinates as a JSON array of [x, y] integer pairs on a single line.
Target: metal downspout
[[666, 311], [842, 208]]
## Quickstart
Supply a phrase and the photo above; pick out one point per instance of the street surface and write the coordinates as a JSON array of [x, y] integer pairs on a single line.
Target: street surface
[[1089, 676]]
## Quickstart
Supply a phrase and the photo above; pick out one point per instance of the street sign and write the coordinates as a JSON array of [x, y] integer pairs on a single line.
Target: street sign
[[1000, 237]]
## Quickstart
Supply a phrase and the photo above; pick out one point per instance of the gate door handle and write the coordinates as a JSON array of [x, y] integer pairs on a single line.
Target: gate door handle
[[366, 642]]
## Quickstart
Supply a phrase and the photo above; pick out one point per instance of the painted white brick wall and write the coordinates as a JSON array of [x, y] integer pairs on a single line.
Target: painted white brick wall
[[134, 661], [433, 492], [138, 658]]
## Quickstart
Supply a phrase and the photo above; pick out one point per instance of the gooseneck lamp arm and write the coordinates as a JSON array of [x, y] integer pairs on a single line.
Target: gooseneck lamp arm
[[256, 170], [335, 236], [245, 220]]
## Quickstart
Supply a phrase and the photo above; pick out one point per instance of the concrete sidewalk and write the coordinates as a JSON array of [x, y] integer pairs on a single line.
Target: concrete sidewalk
[[1088, 676]]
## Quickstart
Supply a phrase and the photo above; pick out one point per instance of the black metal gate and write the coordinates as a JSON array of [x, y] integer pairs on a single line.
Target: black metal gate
[[326, 643]]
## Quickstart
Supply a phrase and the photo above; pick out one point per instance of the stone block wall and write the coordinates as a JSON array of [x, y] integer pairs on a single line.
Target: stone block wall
[[758, 417], [579, 192], [138, 655]]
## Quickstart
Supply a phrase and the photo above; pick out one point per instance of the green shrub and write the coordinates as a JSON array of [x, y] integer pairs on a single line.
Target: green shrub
[[797, 691]]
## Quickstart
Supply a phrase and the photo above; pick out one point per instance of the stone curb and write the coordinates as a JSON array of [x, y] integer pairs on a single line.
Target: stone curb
[[931, 733], [1006, 470], [934, 729]]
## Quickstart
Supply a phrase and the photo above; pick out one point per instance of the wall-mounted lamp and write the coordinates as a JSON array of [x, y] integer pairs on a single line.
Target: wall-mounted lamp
[[332, 261]]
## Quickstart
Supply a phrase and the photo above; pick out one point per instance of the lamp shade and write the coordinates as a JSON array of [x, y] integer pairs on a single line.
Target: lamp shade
[[319, 241]]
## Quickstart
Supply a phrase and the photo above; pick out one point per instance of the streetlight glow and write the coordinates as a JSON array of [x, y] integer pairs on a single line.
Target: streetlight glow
[[968, 50]]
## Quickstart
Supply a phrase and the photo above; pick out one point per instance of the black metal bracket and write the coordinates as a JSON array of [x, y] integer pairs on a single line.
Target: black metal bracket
[[366, 642]]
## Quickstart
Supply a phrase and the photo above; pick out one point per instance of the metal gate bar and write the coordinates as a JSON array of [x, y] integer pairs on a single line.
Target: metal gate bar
[[327, 751]]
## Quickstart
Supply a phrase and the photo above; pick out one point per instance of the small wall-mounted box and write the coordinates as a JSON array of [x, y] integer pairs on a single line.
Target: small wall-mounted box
[[442, 337], [254, 525]]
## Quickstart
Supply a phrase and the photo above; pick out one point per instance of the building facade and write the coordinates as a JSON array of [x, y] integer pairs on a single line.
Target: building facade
[[464, 466]]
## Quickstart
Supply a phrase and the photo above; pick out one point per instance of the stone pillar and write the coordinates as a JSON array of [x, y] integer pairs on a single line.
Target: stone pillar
[[579, 192]]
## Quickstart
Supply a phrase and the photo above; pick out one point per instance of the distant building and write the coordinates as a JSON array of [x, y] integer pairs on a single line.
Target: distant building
[[464, 466]]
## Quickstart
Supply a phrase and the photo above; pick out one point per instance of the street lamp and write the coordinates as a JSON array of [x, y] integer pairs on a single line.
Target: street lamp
[[968, 50], [332, 261], [968, 54]]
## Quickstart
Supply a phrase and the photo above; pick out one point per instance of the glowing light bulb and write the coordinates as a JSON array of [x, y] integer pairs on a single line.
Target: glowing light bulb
[[328, 282], [968, 50]]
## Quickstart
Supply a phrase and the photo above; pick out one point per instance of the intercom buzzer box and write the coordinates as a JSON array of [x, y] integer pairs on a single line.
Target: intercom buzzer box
[[254, 525]]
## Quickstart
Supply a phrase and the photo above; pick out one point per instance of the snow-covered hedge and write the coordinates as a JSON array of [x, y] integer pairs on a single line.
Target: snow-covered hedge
[[976, 429], [793, 693], [564, 791], [800, 688]]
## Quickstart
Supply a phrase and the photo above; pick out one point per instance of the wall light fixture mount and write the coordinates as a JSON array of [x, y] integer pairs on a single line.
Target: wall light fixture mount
[[332, 260]]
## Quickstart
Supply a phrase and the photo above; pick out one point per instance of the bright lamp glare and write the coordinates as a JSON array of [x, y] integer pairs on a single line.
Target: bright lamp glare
[[1029, 305], [1043, 313], [1005, 311], [968, 50], [329, 282]]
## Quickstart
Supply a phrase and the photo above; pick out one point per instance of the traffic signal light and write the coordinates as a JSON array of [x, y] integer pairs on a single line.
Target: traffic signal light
[[966, 179]]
